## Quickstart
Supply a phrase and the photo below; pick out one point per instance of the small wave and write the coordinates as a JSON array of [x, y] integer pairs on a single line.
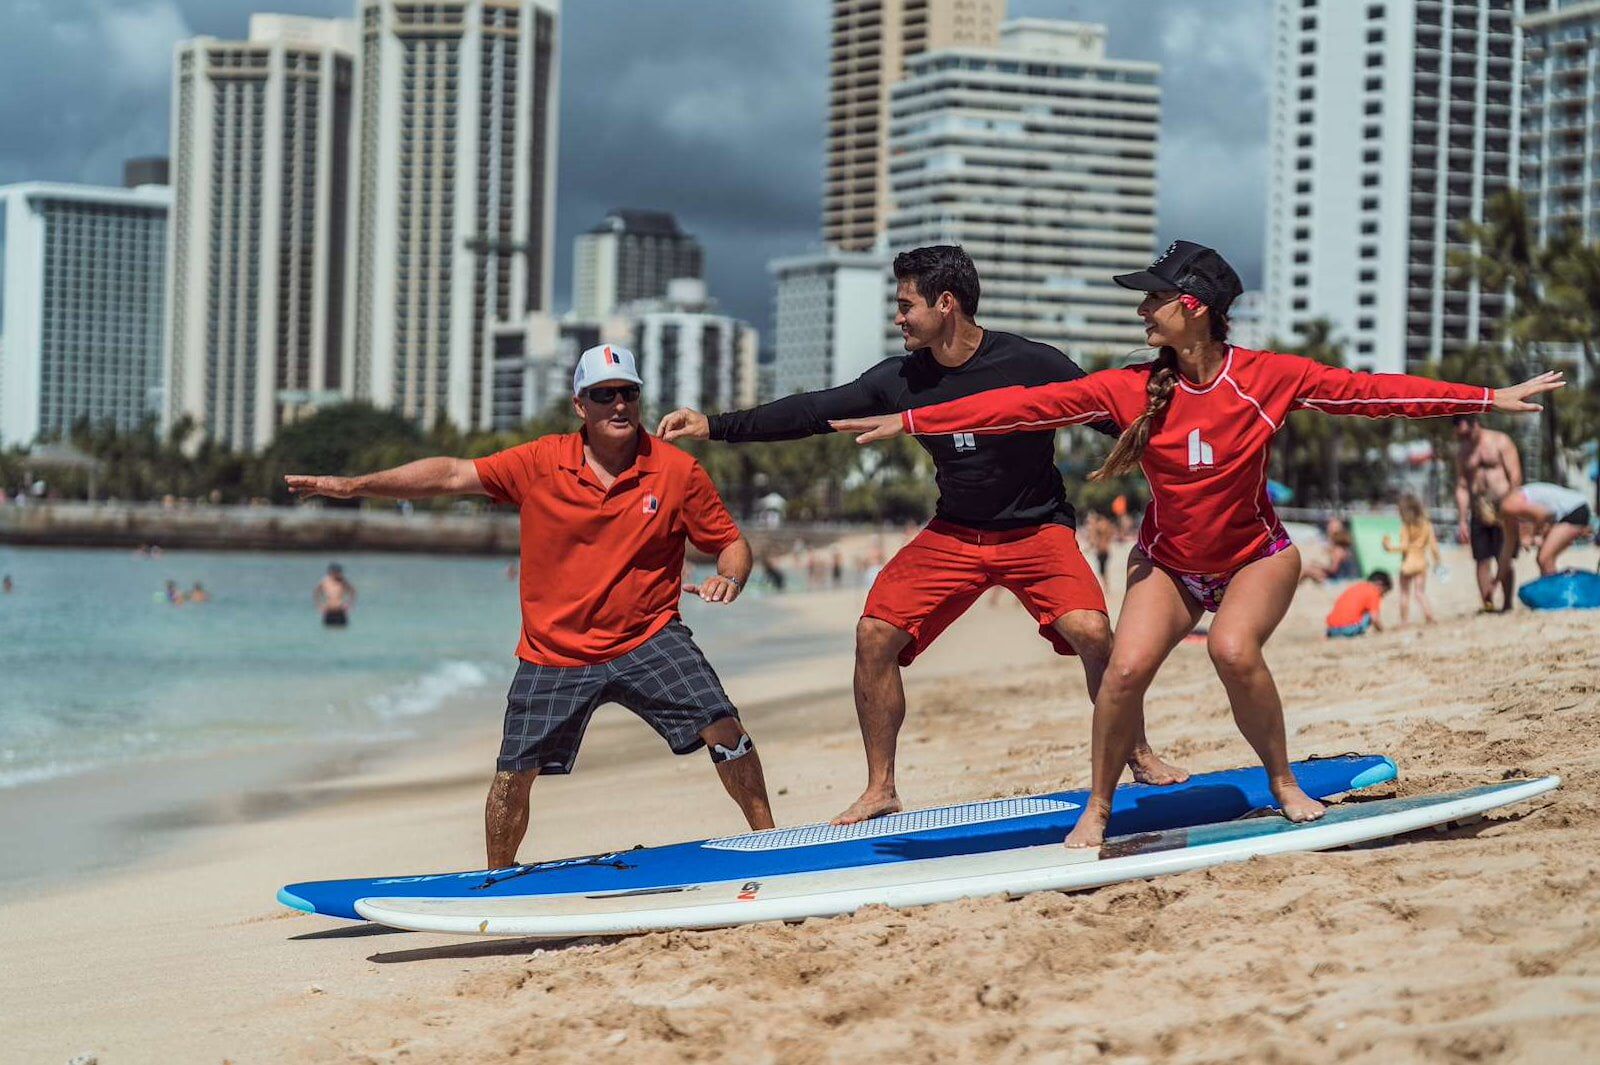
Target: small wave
[[430, 691], [34, 774]]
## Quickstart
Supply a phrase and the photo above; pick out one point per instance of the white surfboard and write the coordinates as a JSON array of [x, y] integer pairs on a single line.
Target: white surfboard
[[932, 880]]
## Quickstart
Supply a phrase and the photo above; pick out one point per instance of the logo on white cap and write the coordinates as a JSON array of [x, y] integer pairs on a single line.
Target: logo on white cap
[[604, 362]]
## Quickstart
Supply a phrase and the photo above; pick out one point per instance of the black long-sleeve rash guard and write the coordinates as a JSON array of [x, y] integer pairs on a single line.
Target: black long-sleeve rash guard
[[990, 483]]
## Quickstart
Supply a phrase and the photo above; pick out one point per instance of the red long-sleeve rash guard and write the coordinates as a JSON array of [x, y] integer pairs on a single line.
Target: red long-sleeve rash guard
[[1207, 458]]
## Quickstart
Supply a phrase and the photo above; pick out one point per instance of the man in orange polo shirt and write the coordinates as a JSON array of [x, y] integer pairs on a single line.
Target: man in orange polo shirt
[[606, 513]]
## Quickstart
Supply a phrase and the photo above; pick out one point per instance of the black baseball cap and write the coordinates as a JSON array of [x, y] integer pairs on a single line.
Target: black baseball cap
[[1190, 268]]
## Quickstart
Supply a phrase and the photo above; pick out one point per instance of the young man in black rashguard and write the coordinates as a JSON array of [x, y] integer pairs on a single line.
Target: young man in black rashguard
[[1002, 517]]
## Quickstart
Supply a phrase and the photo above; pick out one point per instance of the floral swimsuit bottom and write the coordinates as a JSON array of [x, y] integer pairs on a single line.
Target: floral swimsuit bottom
[[1209, 588]]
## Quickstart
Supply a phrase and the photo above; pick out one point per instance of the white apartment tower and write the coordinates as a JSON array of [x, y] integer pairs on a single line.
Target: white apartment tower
[[691, 356], [1561, 116], [631, 255], [870, 43], [455, 187], [1039, 158], [261, 139], [1393, 122], [82, 289], [828, 318]]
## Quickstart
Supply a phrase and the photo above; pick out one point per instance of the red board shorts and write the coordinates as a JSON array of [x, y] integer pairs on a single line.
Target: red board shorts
[[934, 579]]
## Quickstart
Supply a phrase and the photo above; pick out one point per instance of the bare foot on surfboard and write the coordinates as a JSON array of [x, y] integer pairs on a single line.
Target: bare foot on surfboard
[[1090, 831], [1149, 768], [873, 803], [1297, 805]]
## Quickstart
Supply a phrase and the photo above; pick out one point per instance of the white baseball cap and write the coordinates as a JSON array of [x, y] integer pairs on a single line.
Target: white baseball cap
[[604, 362]]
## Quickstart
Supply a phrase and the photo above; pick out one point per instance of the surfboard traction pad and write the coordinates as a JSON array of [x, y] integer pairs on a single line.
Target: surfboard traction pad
[[972, 813]]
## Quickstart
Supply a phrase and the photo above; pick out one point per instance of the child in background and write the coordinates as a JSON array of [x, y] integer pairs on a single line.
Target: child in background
[[1419, 552], [1359, 606]]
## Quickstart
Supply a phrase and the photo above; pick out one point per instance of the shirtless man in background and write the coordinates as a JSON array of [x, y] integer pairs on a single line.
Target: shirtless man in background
[[1488, 469], [334, 596]]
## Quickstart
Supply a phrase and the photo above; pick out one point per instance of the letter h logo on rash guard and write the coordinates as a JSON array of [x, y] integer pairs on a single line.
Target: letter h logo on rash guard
[[965, 441], [1200, 454]]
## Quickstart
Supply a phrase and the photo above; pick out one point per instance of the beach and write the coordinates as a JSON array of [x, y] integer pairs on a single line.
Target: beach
[[1478, 943]]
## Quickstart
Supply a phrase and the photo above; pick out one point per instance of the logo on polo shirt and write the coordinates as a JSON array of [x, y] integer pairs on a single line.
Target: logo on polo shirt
[[650, 505]]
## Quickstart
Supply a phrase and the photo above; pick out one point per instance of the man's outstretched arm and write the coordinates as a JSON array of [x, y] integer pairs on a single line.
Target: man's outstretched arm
[[415, 480], [790, 418]]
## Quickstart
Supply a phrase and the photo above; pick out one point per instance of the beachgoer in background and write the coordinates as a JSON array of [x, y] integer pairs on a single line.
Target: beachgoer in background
[[1123, 518], [1199, 420], [1560, 514], [334, 597], [511, 570], [5, 585], [1101, 533], [606, 515], [1419, 552], [174, 594], [198, 594], [1488, 469], [1340, 561], [1002, 518], [1359, 607]]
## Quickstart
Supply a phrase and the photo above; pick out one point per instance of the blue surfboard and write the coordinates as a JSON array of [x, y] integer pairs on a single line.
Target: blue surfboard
[[968, 828]]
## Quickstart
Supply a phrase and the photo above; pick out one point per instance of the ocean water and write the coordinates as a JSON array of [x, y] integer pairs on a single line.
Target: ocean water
[[97, 668]]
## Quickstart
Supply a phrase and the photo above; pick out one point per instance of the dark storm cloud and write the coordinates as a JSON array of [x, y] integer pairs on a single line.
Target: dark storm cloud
[[712, 109]]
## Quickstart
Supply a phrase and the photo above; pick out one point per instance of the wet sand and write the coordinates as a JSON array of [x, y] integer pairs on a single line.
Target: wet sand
[[1476, 944]]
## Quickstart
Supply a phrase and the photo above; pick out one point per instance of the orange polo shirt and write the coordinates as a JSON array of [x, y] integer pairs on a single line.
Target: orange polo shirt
[[1355, 603], [602, 568]]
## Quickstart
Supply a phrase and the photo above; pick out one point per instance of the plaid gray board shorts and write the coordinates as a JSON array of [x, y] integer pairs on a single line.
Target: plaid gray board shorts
[[665, 680]]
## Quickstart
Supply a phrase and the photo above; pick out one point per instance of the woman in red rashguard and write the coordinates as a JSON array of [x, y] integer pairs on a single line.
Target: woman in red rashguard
[[1199, 420]]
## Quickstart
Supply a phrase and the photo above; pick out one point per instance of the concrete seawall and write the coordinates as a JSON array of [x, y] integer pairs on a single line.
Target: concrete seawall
[[302, 528], [219, 528]]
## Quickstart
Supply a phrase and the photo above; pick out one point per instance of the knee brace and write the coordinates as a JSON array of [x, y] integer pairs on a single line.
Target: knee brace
[[720, 754]]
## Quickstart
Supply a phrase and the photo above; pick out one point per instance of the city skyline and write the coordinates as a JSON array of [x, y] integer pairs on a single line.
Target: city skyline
[[741, 171]]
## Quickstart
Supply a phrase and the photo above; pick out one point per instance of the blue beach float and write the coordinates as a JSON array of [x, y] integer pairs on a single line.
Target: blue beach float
[[1569, 590]]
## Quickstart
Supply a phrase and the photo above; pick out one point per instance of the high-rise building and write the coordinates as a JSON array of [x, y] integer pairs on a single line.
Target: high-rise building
[[690, 355], [149, 170], [1393, 122], [629, 256], [455, 194], [82, 288], [1561, 116], [261, 136], [871, 41], [828, 318], [1039, 158]]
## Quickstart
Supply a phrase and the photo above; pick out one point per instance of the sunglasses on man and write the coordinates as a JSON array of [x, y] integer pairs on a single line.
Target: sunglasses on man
[[608, 393]]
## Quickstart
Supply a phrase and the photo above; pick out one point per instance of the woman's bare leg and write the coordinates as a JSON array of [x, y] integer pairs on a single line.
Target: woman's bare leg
[[1257, 600], [1406, 585], [1156, 615], [1557, 540]]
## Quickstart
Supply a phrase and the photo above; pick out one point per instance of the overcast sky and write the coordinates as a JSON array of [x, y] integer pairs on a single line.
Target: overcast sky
[[712, 109]]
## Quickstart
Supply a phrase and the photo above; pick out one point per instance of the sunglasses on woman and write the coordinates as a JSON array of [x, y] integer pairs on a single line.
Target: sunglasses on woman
[[608, 393]]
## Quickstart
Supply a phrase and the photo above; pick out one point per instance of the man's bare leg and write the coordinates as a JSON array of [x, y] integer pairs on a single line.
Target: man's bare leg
[[505, 816], [881, 710], [739, 766], [1486, 581], [1507, 574], [1089, 633]]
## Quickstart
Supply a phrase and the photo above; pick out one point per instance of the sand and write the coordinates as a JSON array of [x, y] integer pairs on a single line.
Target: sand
[[1475, 944]]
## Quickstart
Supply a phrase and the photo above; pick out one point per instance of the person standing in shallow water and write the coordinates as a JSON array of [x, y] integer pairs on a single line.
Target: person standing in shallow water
[[334, 597], [1199, 421]]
